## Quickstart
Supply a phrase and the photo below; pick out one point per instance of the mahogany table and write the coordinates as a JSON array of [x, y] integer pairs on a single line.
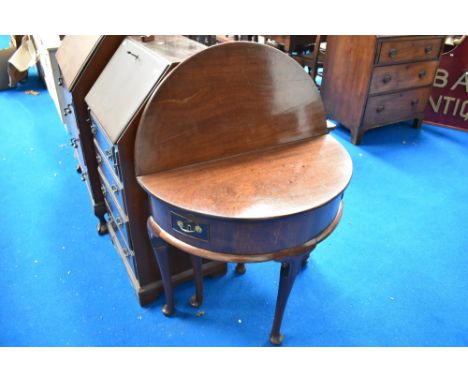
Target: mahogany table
[[239, 131]]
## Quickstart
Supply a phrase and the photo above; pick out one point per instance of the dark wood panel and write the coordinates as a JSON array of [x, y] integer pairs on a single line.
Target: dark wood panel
[[347, 70], [204, 111]]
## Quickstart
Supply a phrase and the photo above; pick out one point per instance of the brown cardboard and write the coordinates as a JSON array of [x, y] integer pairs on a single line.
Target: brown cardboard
[[5, 55]]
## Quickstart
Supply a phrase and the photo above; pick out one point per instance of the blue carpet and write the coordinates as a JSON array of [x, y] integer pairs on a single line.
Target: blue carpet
[[394, 273]]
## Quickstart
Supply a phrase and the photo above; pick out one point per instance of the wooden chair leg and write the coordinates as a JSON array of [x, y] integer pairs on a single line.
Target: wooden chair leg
[[197, 299], [161, 251], [290, 267]]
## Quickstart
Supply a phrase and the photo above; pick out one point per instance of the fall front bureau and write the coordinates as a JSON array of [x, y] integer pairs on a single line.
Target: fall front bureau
[[116, 102]]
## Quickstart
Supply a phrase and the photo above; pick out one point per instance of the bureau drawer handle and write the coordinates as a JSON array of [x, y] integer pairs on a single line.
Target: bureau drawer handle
[[83, 177], [60, 81], [109, 154], [422, 74], [115, 189], [428, 49], [74, 142], [104, 191], [393, 52], [414, 102], [380, 108], [387, 78], [93, 130], [98, 159], [118, 221], [133, 55], [66, 111]]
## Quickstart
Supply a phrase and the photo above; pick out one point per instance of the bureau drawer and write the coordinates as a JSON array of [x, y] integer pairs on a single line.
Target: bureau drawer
[[114, 197], [119, 227], [121, 246], [111, 171], [101, 140], [402, 76], [397, 51], [395, 106]]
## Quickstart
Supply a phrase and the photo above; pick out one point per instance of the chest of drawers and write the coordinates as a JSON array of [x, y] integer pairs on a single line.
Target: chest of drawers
[[81, 59], [371, 81], [115, 103]]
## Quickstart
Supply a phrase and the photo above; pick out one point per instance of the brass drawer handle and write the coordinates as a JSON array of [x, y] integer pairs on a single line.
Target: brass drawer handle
[[414, 102], [428, 49], [387, 78], [189, 227], [393, 53], [380, 108], [422, 74], [74, 142]]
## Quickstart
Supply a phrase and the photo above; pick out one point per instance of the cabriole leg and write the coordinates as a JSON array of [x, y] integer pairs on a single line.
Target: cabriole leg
[[290, 267], [197, 299], [99, 211], [161, 251], [240, 268]]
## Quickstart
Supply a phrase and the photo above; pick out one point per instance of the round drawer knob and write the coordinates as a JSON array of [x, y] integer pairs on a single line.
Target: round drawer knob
[[428, 49], [380, 108], [387, 78], [422, 74], [393, 53]]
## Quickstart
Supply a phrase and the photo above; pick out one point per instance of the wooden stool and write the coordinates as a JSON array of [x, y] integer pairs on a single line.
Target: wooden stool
[[235, 156]]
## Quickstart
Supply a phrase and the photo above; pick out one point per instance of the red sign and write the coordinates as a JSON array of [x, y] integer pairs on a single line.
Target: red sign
[[448, 103]]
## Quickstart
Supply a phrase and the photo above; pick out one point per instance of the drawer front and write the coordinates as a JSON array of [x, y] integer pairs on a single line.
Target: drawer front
[[111, 171], [120, 228], [403, 76], [102, 141], [121, 246], [114, 198], [394, 51], [395, 106]]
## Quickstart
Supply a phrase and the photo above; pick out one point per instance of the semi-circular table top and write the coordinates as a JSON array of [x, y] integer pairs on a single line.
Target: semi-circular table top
[[275, 182]]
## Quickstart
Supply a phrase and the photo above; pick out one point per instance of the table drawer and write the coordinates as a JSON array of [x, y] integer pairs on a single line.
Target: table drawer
[[402, 76], [395, 106], [397, 51]]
